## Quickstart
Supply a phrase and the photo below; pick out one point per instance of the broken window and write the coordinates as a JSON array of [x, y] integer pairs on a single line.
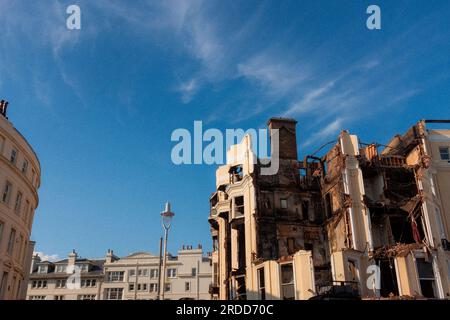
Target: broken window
[[305, 210], [236, 173], [261, 284], [405, 230], [388, 278], [239, 206], [426, 278], [303, 172], [241, 288], [287, 282], [328, 205], [267, 204], [354, 273], [325, 168], [400, 185], [444, 151], [309, 247], [215, 243], [214, 200], [291, 245], [283, 203], [241, 246]]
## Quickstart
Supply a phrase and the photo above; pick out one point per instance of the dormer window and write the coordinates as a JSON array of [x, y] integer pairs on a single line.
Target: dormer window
[[444, 152], [61, 269], [84, 267], [42, 269]]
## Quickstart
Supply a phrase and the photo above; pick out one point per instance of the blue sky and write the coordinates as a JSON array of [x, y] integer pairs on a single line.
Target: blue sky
[[99, 104]]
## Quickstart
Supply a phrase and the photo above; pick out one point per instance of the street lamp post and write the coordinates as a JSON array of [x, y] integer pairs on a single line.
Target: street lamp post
[[167, 216]]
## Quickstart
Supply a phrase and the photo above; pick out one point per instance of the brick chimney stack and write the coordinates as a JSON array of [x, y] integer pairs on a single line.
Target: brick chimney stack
[[287, 137]]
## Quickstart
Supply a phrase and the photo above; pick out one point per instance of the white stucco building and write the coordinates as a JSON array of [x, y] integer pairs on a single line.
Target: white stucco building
[[134, 277]]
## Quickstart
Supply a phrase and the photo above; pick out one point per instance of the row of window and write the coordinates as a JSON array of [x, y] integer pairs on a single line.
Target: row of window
[[171, 273], [61, 297], [144, 273], [287, 282], [114, 294], [118, 276], [117, 293], [144, 287], [39, 284], [87, 283], [22, 166], [19, 255], [23, 211], [62, 283], [62, 268]]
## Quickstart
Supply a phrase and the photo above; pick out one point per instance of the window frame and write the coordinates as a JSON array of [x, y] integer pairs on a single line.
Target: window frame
[[7, 190], [172, 273], [154, 286], [18, 203], [24, 168], [283, 201], [444, 150], [13, 155], [291, 283], [118, 293], [154, 273], [261, 288], [11, 242], [115, 276]]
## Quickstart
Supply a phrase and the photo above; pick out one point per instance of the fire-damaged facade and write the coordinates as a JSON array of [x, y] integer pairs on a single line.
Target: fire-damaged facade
[[390, 208], [267, 229], [364, 219]]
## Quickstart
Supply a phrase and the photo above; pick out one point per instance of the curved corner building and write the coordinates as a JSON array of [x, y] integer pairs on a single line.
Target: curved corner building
[[19, 181]]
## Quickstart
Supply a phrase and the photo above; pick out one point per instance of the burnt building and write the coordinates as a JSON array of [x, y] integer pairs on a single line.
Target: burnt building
[[267, 229], [371, 218], [388, 206]]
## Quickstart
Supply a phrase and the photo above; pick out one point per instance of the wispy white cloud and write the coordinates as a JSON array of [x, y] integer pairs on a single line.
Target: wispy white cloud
[[46, 257], [306, 103], [188, 89], [281, 77], [41, 25], [331, 129], [186, 26], [273, 73]]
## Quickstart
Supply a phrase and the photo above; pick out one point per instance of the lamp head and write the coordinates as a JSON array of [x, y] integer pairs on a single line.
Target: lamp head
[[167, 216]]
